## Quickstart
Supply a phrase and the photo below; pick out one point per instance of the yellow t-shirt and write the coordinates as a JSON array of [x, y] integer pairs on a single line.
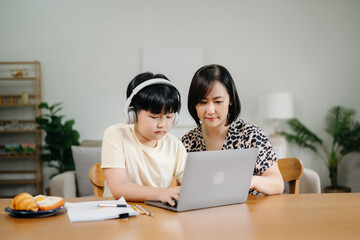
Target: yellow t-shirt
[[145, 166]]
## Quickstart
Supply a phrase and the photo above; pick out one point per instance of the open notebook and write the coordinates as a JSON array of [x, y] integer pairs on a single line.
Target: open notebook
[[91, 211]]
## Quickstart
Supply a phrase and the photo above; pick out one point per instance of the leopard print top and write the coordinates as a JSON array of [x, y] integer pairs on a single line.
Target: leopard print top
[[240, 135]]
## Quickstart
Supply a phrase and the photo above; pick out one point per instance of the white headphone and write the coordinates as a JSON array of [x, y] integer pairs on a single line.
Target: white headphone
[[130, 113]]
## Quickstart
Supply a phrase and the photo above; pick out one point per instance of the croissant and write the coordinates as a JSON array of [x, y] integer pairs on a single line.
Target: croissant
[[24, 201]]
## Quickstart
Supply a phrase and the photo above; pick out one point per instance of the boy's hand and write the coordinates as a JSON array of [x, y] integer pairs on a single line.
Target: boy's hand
[[168, 194]]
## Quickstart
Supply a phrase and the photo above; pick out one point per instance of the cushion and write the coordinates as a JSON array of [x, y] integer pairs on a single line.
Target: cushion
[[85, 158]]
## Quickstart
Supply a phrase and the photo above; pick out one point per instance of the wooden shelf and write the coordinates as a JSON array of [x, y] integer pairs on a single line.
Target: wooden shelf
[[19, 63], [19, 105], [16, 171], [16, 101], [20, 121], [22, 156], [18, 181], [23, 76], [15, 78], [24, 126], [19, 131]]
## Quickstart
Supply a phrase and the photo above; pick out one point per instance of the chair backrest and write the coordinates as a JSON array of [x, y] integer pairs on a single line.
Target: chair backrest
[[291, 170], [91, 143], [97, 178]]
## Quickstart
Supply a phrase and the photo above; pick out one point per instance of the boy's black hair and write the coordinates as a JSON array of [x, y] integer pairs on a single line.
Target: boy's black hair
[[202, 84], [154, 98]]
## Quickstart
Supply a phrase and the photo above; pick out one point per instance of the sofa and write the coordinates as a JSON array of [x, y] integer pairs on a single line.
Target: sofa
[[77, 184]]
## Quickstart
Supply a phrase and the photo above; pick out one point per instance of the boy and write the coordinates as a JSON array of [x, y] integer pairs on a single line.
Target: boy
[[140, 157]]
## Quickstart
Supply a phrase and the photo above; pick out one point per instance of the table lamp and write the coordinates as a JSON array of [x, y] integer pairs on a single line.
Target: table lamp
[[277, 106]]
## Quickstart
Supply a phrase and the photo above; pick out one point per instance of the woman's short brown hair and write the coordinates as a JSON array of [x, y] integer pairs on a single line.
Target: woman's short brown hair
[[202, 84]]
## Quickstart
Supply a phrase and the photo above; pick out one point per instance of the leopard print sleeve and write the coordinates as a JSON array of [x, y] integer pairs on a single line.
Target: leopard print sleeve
[[266, 156], [193, 140], [246, 135], [186, 141]]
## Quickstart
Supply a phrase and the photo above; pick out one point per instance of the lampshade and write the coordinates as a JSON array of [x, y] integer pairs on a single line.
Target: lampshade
[[278, 105]]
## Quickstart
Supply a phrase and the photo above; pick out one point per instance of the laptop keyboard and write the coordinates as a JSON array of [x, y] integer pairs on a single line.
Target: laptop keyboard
[[175, 201]]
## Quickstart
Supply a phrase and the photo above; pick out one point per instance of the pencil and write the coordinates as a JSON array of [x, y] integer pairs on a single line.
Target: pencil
[[143, 209], [136, 209], [150, 214]]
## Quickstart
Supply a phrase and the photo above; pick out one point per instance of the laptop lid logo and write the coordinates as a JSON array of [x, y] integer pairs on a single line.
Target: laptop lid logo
[[219, 178]]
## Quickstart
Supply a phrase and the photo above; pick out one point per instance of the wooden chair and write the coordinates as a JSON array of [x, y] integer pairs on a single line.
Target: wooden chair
[[97, 178], [291, 170]]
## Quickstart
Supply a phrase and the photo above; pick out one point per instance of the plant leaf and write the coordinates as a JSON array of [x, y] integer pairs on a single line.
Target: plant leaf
[[57, 110], [54, 106], [43, 105], [338, 120], [302, 135], [69, 123], [41, 121], [45, 157], [349, 139]]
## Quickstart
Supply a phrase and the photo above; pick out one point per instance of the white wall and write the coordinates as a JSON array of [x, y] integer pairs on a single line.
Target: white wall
[[90, 50]]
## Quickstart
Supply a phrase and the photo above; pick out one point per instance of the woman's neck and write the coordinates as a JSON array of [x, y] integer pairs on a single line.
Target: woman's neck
[[214, 137], [215, 131]]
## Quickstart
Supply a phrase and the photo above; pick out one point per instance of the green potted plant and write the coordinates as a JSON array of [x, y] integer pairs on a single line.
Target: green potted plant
[[59, 138], [345, 133]]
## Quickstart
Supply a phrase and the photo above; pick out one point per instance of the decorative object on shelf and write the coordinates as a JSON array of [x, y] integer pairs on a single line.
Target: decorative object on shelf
[[345, 131], [28, 148], [59, 138], [17, 149], [28, 126], [25, 98], [14, 125], [11, 100], [12, 148], [18, 73]]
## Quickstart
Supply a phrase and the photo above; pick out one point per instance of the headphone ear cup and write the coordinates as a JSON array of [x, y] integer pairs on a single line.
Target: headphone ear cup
[[131, 115], [176, 118]]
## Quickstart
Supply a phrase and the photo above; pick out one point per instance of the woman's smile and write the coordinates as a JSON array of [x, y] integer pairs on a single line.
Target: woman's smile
[[212, 118]]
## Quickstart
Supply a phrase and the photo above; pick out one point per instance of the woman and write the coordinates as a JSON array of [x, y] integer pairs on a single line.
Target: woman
[[214, 104]]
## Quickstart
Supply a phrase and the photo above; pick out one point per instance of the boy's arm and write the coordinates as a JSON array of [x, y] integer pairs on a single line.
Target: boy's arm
[[119, 185]]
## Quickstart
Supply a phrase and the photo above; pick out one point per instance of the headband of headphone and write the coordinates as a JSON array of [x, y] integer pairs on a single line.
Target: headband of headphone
[[129, 113]]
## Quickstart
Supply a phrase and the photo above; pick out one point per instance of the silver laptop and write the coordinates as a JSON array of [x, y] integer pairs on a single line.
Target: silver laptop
[[214, 178]]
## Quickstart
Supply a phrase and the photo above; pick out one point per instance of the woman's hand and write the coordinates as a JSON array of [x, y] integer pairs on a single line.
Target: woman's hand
[[269, 182], [168, 194], [253, 179]]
